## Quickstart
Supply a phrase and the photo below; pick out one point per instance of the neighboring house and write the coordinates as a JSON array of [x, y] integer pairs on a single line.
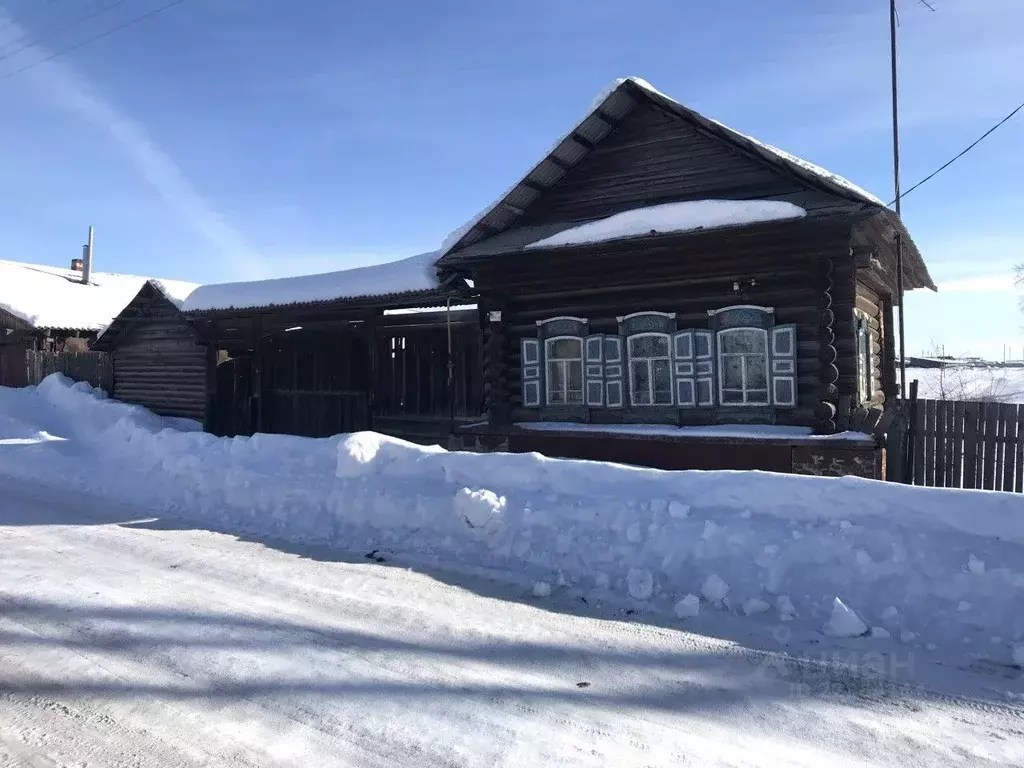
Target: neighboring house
[[659, 268], [50, 310], [158, 360], [365, 348]]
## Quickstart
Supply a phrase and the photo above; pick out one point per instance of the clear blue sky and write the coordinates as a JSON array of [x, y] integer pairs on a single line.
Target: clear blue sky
[[240, 139]]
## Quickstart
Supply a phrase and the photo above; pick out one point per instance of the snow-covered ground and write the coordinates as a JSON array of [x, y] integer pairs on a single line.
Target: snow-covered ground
[[996, 383], [333, 659], [129, 640]]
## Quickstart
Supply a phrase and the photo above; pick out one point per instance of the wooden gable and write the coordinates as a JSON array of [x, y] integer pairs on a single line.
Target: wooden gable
[[655, 157]]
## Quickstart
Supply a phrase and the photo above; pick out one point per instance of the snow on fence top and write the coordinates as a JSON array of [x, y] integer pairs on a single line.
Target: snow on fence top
[[52, 297], [673, 217], [825, 177], [414, 274]]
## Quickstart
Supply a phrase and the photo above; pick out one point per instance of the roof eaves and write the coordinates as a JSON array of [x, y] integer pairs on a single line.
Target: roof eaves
[[346, 302]]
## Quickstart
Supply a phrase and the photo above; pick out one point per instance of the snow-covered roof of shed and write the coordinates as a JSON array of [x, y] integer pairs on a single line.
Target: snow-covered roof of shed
[[51, 297], [610, 107], [412, 275]]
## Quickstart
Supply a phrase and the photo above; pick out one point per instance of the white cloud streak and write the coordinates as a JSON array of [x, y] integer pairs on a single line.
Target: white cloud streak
[[60, 83]]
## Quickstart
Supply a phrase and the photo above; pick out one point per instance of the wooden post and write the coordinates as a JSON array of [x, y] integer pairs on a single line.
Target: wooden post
[[908, 456], [257, 370], [209, 418], [451, 367], [1008, 417]]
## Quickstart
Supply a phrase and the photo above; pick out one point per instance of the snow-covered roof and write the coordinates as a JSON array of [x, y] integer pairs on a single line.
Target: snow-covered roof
[[411, 275], [612, 105], [51, 297], [686, 216]]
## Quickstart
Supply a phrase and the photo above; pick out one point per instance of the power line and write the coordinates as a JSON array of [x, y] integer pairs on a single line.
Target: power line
[[93, 38], [980, 139], [60, 30]]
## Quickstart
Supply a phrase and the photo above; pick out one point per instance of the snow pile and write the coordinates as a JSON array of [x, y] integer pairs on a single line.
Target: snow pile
[[687, 216], [416, 273], [825, 556], [51, 297]]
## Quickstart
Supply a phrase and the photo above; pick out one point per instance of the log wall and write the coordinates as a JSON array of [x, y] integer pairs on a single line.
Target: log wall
[[654, 157], [160, 364], [687, 275]]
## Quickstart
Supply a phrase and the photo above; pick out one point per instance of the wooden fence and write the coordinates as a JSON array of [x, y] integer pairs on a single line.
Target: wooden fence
[[92, 367], [957, 444]]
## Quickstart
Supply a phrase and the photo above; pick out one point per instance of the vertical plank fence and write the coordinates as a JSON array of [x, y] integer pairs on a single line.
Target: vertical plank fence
[[92, 367], [957, 444]]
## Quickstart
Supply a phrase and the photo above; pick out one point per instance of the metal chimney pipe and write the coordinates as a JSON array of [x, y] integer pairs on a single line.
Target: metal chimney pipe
[[87, 259]]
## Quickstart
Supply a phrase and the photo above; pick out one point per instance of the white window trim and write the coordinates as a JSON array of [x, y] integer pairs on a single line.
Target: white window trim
[[547, 320], [547, 375], [669, 315], [721, 371], [650, 369], [768, 310]]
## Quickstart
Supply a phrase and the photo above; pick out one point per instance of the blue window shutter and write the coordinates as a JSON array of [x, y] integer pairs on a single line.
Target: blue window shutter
[[705, 364], [531, 372], [614, 368], [593, 370], [684, 370], [783, 365]]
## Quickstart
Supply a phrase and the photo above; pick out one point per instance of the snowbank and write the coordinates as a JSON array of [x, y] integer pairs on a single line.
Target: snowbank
[[928, 565], [673, 217], [416, 273]]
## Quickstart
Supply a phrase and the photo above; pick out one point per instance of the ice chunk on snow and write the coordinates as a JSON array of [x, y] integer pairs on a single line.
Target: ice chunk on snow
[[844, 622], [678, 510], [641, 583], [785, 605], [541, 589], [975, 566], [755, 605], [714, 589], [356, 454], [907, 636], [479, 509], [601, 580], [688, 607], [880, 633], [709, 529], [864, 559], [891, 613], [633, 534]]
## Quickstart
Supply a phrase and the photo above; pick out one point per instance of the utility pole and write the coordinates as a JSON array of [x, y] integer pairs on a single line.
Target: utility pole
[[896, 184]]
